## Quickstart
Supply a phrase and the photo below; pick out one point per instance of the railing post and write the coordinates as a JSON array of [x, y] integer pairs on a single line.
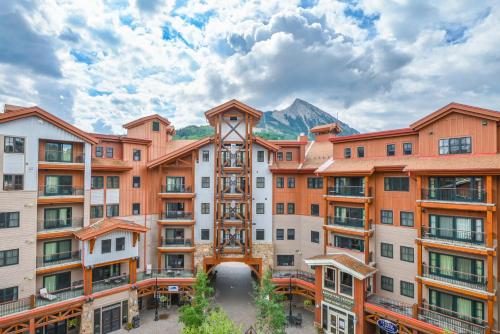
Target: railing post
[[32, 301], [415, 311]]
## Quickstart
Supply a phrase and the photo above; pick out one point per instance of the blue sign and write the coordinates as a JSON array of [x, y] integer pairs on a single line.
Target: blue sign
[[387, 326]]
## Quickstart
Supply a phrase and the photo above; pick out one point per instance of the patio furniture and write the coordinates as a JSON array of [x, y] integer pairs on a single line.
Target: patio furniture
[[46, 295]]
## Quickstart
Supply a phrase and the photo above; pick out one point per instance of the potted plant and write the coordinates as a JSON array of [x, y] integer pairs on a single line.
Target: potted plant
[[308, 305], [73, 325], [129, 326]]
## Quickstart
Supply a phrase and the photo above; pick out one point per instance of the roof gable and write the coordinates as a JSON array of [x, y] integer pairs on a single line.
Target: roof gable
[[145, 119], [229, 105], [108, 225], [180, 152]]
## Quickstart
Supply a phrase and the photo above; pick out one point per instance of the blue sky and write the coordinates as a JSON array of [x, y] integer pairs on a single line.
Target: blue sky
[[377, 64]]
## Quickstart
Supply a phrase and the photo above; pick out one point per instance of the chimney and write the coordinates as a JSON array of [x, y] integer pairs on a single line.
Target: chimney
[[303, 137]]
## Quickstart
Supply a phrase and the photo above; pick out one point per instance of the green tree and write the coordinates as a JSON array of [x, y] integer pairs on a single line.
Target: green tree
[[271, 317], [217, 322], [194, 314]]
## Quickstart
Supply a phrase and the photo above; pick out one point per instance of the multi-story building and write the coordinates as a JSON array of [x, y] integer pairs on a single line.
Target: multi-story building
[[389, 229]]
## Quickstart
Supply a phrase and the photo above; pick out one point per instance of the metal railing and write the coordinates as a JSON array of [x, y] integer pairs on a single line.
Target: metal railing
[[165, 273], [392, 305], [57, 156], [463, 236], [354, 191], [175, 188], [470, 280], [176, 215], [60, 191], [295, 273], [347, 221], [57, 258], [51, 224], [454, 194], [110, 283], [446, 319], [176, 242]]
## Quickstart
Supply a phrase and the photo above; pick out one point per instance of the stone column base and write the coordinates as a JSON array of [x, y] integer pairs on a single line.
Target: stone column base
[[87, 319], [133, 305], [201, 251], [265, 251]]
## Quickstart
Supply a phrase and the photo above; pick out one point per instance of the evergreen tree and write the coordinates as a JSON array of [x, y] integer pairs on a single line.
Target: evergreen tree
[[217, 322], [194, 314], [271, 317]]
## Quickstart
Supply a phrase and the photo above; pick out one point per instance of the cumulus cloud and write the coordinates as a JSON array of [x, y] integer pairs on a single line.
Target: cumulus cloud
[[378, 64]]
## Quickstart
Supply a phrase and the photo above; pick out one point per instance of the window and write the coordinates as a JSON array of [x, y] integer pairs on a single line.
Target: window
[[233, 118], [349, 243], [205, 234], [290, 208], [386, 217], [112, 210], [106, 246], [57, 218], [136, 182], [456, 267], [136, 155], [113, 182], [9, 219], [465, 229], [13, 144], [205, 156], [285, 260], [109, 152], [391, 149], [291, 182], [280, 182], [156, 126], [387, 283], [457, 189], [346, 283], [98, 151], [13, 182], [315, 237], [406, 218], [280, 208], [136, 209], [455, 145], [260, 182], [314, 182], [205, 208], [97, 182], [205, 182], [386, 250], [259, 234], [8, 294], [58, 152], [407, 148], [9, 257], [260, 208], [347, 152], [56, 251], [290, 234], [329, 276], [280, 234], [289, 156], [361, 152], [279, 156], [260, 156], [407, 289], [457, 304], [120, 244], [96, 211], [315, 210], [407, 254], [397, 183]]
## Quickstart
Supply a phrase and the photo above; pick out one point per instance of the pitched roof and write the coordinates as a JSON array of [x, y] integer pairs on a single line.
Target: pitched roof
[[364, 166], [14, 112], [326, 128], [107, 225], [456, 107], [121, 138], [145, 119], [374, 135], [316, 154], [344, 262], [476, 164], [179, 152], [265, 143], [232, 104]]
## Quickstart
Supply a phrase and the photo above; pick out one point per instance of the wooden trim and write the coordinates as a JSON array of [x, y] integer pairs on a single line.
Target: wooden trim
[[457, 206], [453, 247], [179, 249], [61, 166], [454, 289], [359, 233], [91, 245], [135, 238], [175, 223], [177, 195], [60, 200], [351, 199], [87, 281], [44, 235], [41, 271]]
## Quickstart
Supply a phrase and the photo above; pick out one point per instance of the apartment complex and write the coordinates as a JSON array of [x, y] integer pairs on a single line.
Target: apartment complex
[[395, 229]]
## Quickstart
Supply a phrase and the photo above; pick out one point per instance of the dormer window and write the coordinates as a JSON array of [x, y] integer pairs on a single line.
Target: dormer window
[[156, 126], [455, 145]]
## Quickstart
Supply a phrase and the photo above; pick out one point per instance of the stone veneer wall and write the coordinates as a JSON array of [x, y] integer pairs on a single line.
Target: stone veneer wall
[[87, 319], [266, 252], [133, 305], [201, 251]]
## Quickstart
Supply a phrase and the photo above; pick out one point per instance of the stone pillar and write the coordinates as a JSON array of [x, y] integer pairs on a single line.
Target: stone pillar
[[202, 250], [87, 319], [133, 304], [265, 251]]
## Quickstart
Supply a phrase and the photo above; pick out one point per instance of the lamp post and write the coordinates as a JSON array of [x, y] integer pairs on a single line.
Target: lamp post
[[157, 317], [290, 299]]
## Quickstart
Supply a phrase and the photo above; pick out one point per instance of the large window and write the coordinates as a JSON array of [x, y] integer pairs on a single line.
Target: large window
[[280, 182], [8, 294], [279, 156], [386, 217], [112, 210], [96, 211], [97, 182], [176, 184], [314, 182], [456, 267], [260, 182], [346, 283], [467, 308], [280, 234], [13, 144], [175, 261], [57, 217], [407, 289], [56, 185], [465, 229], [354, 217], [58, 152], [386, 250], [57, 281], [455, 145], [113, 182], [407, 254], [397, 183], [9, 257], [9, 219], [387, 283], [285, 260], [349, 243], [56, 250], [349, 186], [456, 189], [13, 182], [406, 218], [329, 278]]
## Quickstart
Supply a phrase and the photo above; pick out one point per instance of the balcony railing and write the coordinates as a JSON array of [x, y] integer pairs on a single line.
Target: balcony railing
[[109, 283], [55, 224], [454, 195], [298, 274], [60, 191], [60, 157], [176, 243], [462, 236], [57, 258], [175, 188], [176, 215], [165, 273], [347, 222], [470, 280], [354, 191], [392, 305], [446, 319]]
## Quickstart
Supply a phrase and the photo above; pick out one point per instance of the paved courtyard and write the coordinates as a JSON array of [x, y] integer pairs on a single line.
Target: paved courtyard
[[233, 292]]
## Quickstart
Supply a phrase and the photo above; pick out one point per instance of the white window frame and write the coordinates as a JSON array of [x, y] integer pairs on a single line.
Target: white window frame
[[334, 274]]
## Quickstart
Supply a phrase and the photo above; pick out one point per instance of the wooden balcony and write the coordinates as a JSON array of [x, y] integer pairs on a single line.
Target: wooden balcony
[[60, 194], [176, 191]]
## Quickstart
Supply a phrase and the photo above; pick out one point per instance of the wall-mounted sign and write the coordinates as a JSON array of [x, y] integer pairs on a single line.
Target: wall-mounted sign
[[173, 288], [387, 326]]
